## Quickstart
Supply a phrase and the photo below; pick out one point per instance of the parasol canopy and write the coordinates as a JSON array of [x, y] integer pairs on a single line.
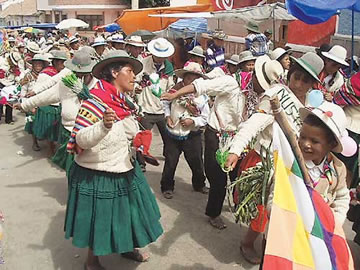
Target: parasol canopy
[[72, 23]]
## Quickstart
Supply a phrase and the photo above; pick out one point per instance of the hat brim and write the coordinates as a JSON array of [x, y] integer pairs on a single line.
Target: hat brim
[[117, 41], [13, 60], [259, 72], [33, 51], [306, 67], [231, 62], [335, 59], [99, 44], [181, 72], [252, 58], [98, 67], [169, 52], [304, 112], [75, 68], [253, 29], [58, 58], [197, 54], [135, 44]]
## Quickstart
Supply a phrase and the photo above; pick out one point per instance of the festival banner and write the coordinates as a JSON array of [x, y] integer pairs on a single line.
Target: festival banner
[[232, 4]]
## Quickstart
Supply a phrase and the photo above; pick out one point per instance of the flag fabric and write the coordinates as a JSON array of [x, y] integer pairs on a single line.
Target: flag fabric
[[303, 233]]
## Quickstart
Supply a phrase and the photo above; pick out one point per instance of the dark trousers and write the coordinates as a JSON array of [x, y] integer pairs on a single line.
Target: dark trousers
[[192, 149], [215, 174], [8, 113]]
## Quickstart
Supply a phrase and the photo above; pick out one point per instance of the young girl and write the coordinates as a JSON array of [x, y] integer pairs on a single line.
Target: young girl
[[320, 135]]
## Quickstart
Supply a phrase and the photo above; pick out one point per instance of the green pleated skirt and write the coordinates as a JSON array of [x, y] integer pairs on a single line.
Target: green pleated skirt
[[62, 157], [110, 212], [29, 123], [46, 123]]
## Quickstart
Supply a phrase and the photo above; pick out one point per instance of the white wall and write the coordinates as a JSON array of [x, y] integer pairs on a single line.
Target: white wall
[[43, 5]]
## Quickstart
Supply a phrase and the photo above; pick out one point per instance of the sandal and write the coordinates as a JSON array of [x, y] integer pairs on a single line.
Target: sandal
[[97, 267], [217, 223], [136, 255], [168, 194], [35, 147], [250, 255]]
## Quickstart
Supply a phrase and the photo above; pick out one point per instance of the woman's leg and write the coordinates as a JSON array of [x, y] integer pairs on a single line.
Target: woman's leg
[[92, 262]]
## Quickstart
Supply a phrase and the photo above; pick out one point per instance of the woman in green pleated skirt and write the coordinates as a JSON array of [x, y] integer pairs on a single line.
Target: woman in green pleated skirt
[[110, 212], [62, 157], [46, 125]]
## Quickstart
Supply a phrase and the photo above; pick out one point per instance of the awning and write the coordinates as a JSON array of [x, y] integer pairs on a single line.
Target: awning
[[132, 20], [257, 13], [195, 25], [184, 15]]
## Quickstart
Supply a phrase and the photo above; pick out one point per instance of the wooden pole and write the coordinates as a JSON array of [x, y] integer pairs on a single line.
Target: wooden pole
[[280, 117]]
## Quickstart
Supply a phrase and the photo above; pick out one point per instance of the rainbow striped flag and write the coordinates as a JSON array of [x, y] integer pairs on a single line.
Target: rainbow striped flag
[[303, 233]]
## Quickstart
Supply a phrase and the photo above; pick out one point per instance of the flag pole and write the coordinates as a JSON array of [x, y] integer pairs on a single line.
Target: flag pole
[[280, 117]]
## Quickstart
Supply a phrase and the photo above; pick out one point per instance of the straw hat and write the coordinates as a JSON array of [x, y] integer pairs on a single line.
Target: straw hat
[[234, 60], [135, 41], [268, 31], [89, 51], [161, 47], [117, 38], [73, 39], [33, 47], [246, 56], [311, 63], [338, 54], [116, 56], [277, 53], [193, 68], [15, 57], [99, 41], [198, 51], [58, 55], [219, 34], [253, 27], [39, 57], [333, 117], [267, 71], [81, 63]]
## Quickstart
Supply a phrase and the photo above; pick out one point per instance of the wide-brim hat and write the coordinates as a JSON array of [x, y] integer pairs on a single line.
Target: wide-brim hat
[[193, 68], [117, 38], [253, 27], [161, 47], [39, 57], [117, 56], [58, 55], [277, 53], [197, 51], [333, 117], [11, 39], [267, 71], [135, 41], [73, 39], [246, 56], [99, 42], [337, 54], [311, 63], [81, 63], [234, 60], [33, 47], [15, 58]]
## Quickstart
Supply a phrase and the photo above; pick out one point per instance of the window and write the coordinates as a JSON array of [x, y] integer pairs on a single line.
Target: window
[[92, 20]]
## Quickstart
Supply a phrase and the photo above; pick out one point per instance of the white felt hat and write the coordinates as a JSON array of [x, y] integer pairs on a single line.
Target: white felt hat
[[161, 47], [338, 54], [267, 71]]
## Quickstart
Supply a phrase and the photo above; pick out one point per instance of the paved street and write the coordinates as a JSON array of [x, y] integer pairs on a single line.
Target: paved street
[[33, 198]]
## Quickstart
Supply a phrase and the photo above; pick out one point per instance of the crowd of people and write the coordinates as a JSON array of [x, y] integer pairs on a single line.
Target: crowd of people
[[97, 102]]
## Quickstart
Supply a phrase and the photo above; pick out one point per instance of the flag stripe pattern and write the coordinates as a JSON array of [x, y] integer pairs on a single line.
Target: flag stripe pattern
[[303, 233]]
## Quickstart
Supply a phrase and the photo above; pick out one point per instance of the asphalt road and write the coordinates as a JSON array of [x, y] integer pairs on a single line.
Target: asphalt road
[[33, 196]]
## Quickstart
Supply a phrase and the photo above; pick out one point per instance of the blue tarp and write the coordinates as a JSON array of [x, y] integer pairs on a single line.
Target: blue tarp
[[318, 11], [38, 26], [196, 25]]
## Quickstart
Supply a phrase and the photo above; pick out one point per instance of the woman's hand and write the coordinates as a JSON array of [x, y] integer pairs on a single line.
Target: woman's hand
[[187, 122], [231, 161], [328, 97], [109, 118], [168, 96], [169, 122], [18, 107]]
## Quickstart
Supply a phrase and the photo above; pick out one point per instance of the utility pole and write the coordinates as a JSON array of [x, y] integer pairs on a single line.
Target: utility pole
[[134, 4]]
